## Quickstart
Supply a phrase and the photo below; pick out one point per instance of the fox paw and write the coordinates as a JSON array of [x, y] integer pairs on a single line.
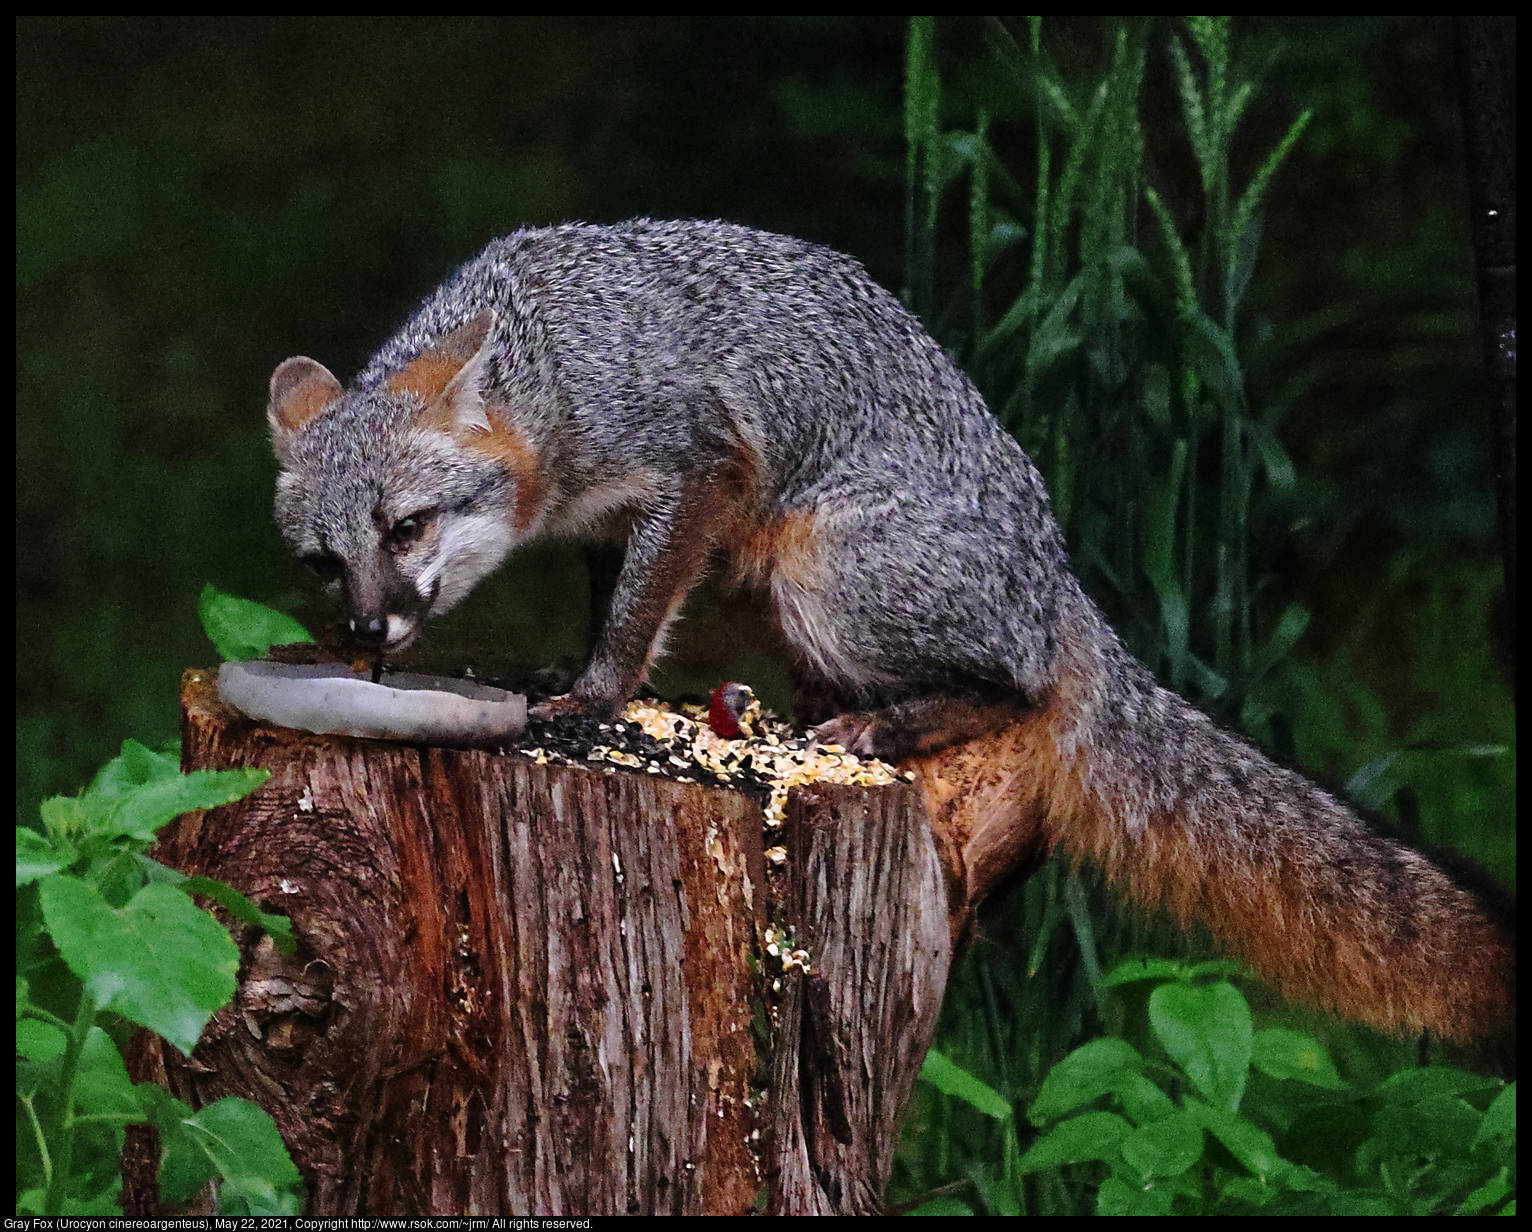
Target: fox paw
[[865, 734], [568, 703]]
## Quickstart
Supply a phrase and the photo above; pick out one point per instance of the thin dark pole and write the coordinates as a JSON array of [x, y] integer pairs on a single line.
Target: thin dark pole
[[1486, 63]]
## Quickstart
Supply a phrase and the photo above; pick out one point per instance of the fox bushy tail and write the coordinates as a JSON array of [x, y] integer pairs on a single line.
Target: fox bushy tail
[[1182, 815]]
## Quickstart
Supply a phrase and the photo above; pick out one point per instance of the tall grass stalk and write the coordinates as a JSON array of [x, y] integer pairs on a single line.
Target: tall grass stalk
[[1114, 360], [1106, 342]]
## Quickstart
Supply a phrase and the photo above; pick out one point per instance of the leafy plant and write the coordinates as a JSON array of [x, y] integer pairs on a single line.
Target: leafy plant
[[242, 629], [109, 939], [1177, 1132]]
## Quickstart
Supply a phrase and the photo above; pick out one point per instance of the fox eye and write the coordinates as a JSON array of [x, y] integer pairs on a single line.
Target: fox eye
[[325, 565], [406, 532]]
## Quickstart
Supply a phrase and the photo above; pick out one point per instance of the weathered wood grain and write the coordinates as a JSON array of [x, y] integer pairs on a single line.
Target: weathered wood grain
[[528, 988]]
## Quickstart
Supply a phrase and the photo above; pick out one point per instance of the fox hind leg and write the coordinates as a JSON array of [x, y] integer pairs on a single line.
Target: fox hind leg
[[920, 725], [921, 631]]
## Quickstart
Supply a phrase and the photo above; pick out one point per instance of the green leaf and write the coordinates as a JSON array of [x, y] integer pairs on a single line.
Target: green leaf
[[184, 1166], [1280, 1053], [243, 1144], [145, 809], [1177, 630], [242, 629], [1053, 338], [160, 961], [1236, 108], [1021, 311], [102, 1086], [1244, 247], [1051, 89], [278, 927], [1213, 357], [1143, 1101], [1091, 1135], [1370, 786], [1067, 204], [1090, 1071], [1084, 926], [1117, 1197], [140, 790], [39, 1041], [1166, 1147], [1434, 1080], [963, 148], [1500, 1118], [1004, 234], [1210, 682], [1154, 397], [1133, 970], [65, 820], [1248, 209], [1491, 1192], [951, 1079], [1306, 1180], [1053, 915], [943, 1206], [998, 1197], [1250, 1145], [1159, 558], [37, 856], [1186, 287], [1438, 1127], [1295, 619], [1279, 467], [134, 766], [1209, 1033], [1197, 126], [101, 1205], [945, 158], [132, 770], [919, 79]]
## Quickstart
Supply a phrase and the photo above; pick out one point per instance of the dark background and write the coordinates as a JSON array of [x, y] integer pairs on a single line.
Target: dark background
[[199, 199]]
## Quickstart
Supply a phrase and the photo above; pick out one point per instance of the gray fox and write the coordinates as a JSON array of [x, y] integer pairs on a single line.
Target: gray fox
[[700, 388]]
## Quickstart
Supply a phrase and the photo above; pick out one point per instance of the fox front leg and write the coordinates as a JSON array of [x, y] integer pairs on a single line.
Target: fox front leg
[[667, 551]]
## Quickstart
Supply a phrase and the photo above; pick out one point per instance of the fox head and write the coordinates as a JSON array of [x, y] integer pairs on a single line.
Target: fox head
[[402, 496]]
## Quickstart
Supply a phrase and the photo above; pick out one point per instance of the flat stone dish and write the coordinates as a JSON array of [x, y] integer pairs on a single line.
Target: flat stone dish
[[328, 698]]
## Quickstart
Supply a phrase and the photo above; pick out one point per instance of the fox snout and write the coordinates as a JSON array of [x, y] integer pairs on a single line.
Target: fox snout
[[383, 608]]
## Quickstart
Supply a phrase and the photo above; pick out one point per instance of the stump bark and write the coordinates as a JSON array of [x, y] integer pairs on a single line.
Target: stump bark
[[529, 989]]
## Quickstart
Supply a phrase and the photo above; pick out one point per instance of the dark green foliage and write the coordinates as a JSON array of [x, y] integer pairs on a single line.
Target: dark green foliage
[[1116, 361], [1214, 1117], [108, 938], [1101, 304]]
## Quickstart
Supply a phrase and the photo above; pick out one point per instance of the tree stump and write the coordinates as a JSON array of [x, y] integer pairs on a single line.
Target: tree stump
[[867, 894], [528, 989]]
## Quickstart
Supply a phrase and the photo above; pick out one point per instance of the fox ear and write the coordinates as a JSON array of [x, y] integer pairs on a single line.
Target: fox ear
[[448, 376], [301, 388]]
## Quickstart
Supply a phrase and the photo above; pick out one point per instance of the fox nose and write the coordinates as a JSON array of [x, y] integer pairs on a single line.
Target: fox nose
[[370, 630]]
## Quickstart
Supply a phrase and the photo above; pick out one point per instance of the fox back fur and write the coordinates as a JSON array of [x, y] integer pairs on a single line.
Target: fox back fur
[[698, 388]]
